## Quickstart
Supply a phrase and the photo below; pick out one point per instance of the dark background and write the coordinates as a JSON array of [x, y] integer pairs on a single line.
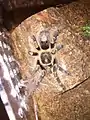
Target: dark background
[[3, 114]]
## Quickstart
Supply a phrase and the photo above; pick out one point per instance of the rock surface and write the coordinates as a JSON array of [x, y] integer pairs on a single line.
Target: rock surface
[[74, 57]]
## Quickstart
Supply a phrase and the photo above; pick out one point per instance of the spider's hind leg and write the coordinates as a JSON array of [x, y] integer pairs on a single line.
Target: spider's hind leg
[[60, 68], [38, 66], [63, 70], [57, 77]]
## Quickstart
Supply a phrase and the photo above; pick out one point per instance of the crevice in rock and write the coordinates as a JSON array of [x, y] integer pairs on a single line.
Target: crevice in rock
[[77, 85]]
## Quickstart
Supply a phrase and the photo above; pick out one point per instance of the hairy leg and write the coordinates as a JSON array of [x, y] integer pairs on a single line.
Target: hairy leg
[[35, 43], [56, 48], [33, 53], [62, 70], [57, 77]]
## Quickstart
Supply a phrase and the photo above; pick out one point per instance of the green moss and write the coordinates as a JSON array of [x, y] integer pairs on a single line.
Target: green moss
[[86, 30]]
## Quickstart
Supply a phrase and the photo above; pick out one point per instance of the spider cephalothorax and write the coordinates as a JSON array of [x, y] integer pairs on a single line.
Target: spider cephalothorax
[[46, 50]]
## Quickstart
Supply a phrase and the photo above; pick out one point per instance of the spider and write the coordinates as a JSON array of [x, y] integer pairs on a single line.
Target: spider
[[46, 50]]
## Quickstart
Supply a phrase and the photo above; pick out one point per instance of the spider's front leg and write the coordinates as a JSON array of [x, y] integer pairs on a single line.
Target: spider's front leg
[[56, 48], [55, 35], [32, 53], [35, 42]]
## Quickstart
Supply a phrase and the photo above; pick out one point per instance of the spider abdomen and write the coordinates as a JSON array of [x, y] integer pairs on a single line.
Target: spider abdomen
[[46, 58]]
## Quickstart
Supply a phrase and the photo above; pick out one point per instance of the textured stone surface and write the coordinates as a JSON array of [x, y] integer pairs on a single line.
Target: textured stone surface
[[73, 105], [74, 57]]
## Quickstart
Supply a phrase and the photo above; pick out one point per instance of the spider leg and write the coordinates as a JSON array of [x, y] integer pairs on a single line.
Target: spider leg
[[35, 43], [33, 53], [57, 77], [42, 73], [56, 48], [34, 83], [60, 68], [53, 40], [55, 35], [63, 70], [37, 77], [41, 76]]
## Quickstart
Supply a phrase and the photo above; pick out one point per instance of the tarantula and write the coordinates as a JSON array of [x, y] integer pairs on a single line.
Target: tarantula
[[46, 50]]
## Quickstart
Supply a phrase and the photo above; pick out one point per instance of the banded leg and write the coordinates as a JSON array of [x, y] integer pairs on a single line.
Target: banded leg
[[42, 73], [35, 43], [62, 70], [55, 35], [56, 48], [57, 77], [41, 77], [33, 53], [53, 40], [33, 84]]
